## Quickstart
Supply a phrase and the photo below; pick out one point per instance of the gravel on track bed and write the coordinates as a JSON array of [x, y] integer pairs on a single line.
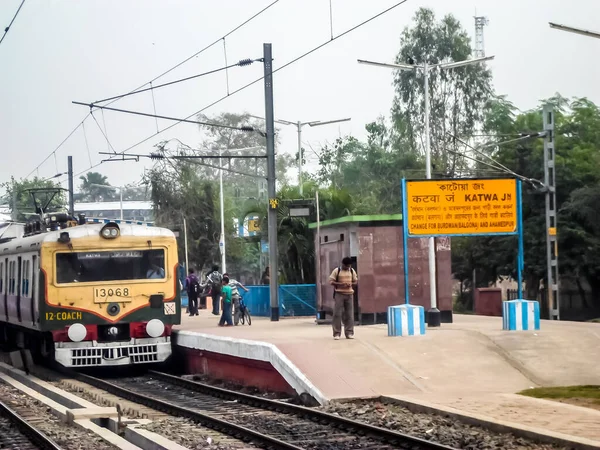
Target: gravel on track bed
[[40, 416], [180, 430], [297, 430], [438, 428]]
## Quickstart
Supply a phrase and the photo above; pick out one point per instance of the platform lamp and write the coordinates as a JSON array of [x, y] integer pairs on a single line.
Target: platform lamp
[[433, 315]]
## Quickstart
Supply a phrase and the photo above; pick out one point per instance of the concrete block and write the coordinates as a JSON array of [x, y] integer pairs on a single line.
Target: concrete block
[[406, 320], [97, 412], [16, 360], [520, 315]]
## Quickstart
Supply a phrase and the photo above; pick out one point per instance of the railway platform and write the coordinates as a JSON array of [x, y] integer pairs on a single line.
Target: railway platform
[[470, 368]]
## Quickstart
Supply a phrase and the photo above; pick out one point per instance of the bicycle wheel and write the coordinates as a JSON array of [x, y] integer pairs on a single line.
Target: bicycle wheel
[[248, 318], [242, 318]]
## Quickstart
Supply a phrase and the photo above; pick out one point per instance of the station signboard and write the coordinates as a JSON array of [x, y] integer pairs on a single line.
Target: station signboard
[[461, 207]]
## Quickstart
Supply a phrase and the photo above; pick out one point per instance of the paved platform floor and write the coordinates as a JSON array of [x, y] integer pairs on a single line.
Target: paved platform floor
[[471, 365]]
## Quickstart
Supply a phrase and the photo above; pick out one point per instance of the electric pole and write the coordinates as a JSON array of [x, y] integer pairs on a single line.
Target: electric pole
[[70, 175], [551, 222], [271, 189]]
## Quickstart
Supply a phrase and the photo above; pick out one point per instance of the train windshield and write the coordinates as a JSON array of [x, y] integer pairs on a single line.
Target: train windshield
[[86, 267]]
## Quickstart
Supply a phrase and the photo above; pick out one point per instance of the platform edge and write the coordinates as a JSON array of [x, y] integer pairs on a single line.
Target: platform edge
[[257, 350]]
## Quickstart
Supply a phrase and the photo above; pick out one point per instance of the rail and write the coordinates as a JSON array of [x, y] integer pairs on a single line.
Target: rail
[[39, 440]]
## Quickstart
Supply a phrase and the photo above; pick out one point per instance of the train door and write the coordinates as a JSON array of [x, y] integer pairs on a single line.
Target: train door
[[2, 283], [34, 272], [7, 282], [19, 287]]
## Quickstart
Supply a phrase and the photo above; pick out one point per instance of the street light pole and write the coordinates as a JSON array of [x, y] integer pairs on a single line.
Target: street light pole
[[433, 315], [222, 240], [299, 125], [587, 33]]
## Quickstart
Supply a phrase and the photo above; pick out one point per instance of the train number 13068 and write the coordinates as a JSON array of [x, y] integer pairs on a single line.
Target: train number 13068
[[109, 292]]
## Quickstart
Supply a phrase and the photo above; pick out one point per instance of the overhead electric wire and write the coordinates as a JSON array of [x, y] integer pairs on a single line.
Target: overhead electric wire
[[274, 71], [498, 166], [245, 22], [103, 133], [59, 146], [176, 119], [241, 63], [11, 22]]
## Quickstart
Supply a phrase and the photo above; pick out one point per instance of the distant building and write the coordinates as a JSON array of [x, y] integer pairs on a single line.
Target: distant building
[[132, 210]]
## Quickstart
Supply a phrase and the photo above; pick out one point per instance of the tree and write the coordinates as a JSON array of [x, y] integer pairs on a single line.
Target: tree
[[457, 96], [90, 190], [18, 195], [577, 160]]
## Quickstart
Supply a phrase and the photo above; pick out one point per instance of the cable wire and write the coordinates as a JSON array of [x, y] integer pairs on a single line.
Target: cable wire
[[11, 22], [103, 134], [241, 63], [58, 147], [245, 22], [274, 71], [176, 119]]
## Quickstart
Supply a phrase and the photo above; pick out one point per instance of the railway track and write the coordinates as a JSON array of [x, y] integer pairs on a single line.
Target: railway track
[[17, 433], [263, 422]]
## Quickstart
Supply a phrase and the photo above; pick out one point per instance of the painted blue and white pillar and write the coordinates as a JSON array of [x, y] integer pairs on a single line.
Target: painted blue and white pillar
[[520, 315], [406, 320]]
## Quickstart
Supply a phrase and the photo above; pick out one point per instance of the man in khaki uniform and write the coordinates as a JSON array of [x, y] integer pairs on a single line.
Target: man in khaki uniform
[[343, 279]]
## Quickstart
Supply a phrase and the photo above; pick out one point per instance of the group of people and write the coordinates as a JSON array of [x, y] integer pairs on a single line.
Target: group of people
[[221, 289]]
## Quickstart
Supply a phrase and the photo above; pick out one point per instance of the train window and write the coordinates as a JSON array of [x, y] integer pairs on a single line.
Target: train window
[[1, 278], [12, 278], [86, 267], [25, 282]]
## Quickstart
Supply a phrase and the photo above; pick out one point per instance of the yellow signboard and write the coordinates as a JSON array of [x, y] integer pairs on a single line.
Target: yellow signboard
[[253, 225], [461, 206]]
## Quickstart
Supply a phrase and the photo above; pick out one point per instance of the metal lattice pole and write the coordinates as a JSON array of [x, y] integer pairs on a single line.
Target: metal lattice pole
[[552, 284]]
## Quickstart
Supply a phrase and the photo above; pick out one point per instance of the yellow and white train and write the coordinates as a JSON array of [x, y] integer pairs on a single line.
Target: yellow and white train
[[90, 294]]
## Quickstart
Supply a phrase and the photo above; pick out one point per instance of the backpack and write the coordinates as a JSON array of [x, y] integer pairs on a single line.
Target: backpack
[[193, 285], [215, 281], [337, 276]]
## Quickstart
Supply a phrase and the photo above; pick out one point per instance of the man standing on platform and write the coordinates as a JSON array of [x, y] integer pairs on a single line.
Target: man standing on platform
[[214, 281], [192, 285], [343, 279], [226, 297]]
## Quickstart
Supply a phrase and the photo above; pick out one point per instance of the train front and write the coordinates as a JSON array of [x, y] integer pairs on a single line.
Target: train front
[[111, 294]]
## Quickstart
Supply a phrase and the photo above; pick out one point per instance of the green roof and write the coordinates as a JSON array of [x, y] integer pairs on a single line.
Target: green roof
[[356, 219]]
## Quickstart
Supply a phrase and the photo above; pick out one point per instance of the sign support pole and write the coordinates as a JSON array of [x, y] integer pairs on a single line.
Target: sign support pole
[[405, 242], [272, 214], [521, 255]]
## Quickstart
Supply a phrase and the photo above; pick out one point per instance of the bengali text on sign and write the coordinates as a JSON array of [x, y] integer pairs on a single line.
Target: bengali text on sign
[[465, 206]]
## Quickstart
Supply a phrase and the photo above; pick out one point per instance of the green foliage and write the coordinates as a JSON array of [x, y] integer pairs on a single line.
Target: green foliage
[[577, 141], [91, 190], [457, 96], [18, 192]]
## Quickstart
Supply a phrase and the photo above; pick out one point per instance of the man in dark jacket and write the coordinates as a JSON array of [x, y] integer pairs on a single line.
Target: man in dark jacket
[[214, 280], [192, 285]]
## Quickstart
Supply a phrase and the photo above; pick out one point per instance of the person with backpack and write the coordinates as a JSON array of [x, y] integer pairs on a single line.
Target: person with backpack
[[214, 280], [235, 296], [192, 285], [343, 279]]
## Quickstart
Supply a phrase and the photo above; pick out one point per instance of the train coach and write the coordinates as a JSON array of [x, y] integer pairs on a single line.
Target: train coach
[[90, 295]]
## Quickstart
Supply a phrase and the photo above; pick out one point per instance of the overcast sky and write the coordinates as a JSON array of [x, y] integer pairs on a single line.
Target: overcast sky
[[59, 51]]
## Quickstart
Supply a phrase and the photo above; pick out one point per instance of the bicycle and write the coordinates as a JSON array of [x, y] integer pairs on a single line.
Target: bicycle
[[244, 312]]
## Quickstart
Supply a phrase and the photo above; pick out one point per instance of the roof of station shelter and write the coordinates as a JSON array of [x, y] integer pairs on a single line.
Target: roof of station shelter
[[370, 220]]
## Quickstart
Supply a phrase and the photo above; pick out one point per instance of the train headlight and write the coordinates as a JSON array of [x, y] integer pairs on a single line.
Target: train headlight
[[110, 231], [77, 332], [155, 328]]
